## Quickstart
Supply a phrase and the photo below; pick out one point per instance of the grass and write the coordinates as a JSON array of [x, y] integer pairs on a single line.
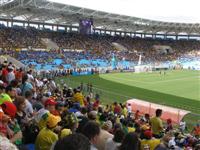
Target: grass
[[180, 89]]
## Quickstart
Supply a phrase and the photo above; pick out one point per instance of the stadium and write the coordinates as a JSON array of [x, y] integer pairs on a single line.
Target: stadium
[[83, 79]]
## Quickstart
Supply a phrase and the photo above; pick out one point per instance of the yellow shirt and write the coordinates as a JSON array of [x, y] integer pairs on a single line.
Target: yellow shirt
[[131, 129], [45, 139], [43, 121], [151, 143], [78, 97], [156, 124], [125, 112]]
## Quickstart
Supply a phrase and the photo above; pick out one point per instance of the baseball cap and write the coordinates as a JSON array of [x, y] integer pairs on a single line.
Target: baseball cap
[[53, 120], [4, 98], [9, 108], [50, 101]]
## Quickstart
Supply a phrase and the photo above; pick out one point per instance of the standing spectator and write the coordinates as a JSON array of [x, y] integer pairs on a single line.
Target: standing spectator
[[157, 125]]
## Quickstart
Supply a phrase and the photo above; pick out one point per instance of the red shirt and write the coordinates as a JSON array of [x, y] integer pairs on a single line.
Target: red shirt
[[117, 109], [4, 74]]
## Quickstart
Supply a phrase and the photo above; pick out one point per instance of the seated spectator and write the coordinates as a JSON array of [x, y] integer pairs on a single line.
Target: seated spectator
[[50, 105], [149, 142], [115, 142], [5, 144], [78, 97], [4, 98], [19, 74], [169, 125], [104, 135], [130, 142], [28, 108], [26, 86], [73, 142], [117, 108], [92, 131], [196, 130], [46, 137], [13, 129], [10, 76], [11, 92]]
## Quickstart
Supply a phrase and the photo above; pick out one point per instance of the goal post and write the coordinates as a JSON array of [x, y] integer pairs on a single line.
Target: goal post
[[143, 68]]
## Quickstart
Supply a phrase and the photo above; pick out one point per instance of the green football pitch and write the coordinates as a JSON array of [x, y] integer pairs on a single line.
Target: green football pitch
[[180, 88]]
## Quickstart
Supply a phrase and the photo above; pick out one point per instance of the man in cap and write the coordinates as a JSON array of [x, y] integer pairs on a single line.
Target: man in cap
[[46, 136]]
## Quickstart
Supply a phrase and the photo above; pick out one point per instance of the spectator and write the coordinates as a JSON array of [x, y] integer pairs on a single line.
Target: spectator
[[92, 131], [10, 76], [28, 108], [115, 142], [26, 86], [104, 135], [46, 136], [157, 125], [130, 142], [149, 142], [73, 142]]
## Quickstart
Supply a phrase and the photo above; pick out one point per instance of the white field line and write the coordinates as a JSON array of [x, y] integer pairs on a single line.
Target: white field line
[[154, 82], [110, 78]]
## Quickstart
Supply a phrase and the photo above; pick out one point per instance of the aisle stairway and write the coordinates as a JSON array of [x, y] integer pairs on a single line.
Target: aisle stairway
[[50, 45]]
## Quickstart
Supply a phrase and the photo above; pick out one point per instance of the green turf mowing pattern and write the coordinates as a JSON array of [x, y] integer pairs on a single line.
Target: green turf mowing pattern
[[178, 89]]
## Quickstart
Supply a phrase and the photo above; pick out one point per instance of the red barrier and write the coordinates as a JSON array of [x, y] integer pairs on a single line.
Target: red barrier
[[176, 115]]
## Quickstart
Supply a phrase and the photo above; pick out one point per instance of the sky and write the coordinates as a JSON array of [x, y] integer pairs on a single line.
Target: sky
[[182, 11]]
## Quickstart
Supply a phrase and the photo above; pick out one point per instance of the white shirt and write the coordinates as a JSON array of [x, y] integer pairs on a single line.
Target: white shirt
[[92, 147], [30, 78], [10, 76], [182, 125], [111, 145], [28, 108]]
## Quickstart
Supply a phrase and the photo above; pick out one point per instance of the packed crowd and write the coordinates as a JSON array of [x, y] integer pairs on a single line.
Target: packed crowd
[[37, 114], [95, 45]]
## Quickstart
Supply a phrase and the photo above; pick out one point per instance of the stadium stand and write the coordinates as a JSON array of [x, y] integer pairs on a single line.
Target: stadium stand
[[38, 114], [46, 113]]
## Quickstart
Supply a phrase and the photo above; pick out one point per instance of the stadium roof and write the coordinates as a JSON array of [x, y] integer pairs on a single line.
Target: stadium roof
[[51, 12]]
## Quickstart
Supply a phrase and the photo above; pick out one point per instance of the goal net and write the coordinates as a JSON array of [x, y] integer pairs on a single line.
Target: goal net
[[143, 68]]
